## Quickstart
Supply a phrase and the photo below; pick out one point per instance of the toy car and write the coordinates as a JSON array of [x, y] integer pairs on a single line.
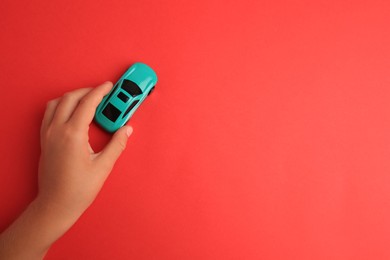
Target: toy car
[[125, 97]]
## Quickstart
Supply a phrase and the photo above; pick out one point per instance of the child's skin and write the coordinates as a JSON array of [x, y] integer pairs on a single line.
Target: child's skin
[[70, 174]]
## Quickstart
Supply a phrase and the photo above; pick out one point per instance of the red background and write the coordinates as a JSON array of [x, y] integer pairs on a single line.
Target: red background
[[267, 136]]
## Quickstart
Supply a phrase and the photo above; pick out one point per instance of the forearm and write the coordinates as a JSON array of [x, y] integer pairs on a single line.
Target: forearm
[[32, 234]]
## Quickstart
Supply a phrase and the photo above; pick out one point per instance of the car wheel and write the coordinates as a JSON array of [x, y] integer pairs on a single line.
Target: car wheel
[[151, 90]]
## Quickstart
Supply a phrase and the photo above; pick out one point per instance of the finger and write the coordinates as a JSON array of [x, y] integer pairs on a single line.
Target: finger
[[90, 149], [49, 113], [68, 104], [85, 111], [108, 156]]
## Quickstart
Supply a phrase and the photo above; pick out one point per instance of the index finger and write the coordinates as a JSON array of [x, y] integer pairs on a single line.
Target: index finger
[[85, 110]]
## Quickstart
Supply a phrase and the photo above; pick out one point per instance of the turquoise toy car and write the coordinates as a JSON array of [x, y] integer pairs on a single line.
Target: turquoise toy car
[[126, 96]]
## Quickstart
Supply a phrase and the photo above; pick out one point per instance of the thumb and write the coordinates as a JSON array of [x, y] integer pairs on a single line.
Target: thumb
[[115, 147]]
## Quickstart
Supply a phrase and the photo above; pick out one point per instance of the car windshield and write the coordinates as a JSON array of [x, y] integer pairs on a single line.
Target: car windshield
[[131, 88]]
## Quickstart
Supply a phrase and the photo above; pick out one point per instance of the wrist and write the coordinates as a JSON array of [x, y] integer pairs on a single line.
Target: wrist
[[50, 221], [37, 228], [56, 212]]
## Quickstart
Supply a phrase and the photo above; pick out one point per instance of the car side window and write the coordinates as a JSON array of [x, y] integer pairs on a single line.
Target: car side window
[[135, 102]]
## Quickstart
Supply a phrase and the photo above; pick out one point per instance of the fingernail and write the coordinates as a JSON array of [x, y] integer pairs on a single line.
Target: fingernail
[[108, 83], [129, 130]]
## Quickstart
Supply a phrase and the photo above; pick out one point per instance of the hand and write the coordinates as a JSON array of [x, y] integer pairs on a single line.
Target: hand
[[70, 174]]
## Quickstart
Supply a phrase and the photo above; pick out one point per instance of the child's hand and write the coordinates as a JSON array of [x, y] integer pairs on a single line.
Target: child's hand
[[70, 173]]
